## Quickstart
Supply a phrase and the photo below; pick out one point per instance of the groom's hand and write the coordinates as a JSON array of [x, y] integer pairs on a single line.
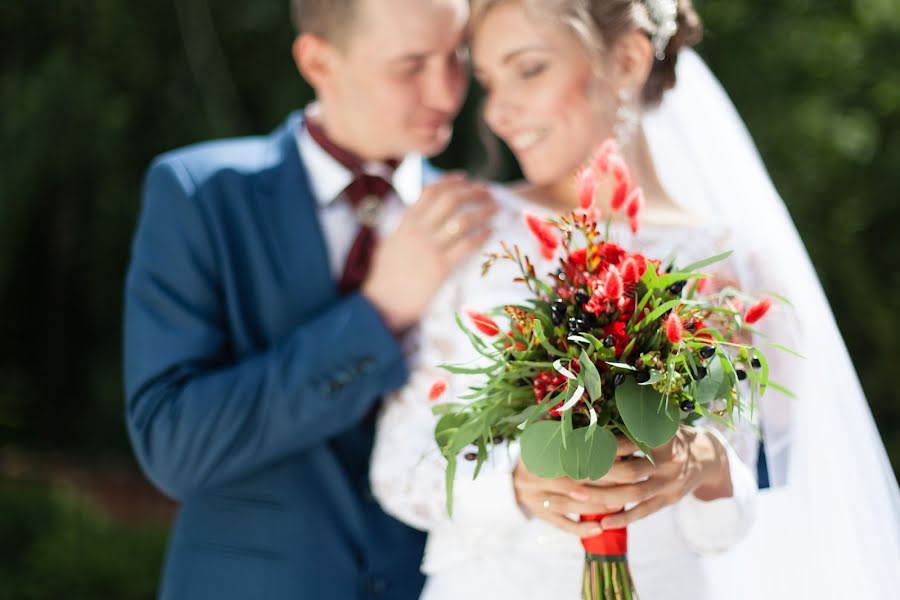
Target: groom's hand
[[447, 225]]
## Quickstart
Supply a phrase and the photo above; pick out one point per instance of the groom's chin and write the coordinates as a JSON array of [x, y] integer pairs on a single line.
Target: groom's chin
[[433, 141]]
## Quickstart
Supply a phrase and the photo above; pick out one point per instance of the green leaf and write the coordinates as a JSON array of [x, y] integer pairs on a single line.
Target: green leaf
[[542, 340], [655, 376], [449, 478], [446, 429], [785, 349], [589, 458], [659, 311], [457, 370], [708, 261], [645, 414], [640, 445], [710, 387], [541, 443], [590, 376]]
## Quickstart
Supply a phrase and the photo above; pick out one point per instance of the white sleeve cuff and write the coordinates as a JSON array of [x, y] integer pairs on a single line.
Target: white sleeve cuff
[[715, 526]]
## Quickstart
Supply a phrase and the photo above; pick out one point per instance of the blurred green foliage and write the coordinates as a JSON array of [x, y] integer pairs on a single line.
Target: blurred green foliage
[[55, 546], [94, 90]]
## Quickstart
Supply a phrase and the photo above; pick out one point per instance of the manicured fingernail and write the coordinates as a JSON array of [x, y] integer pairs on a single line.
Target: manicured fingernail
[[594, 531]]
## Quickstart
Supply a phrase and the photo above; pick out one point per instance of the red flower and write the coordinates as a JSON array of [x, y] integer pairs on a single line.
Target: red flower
[[614, 286], [635, 203], [548, 252], [596, 305], [437, 390], [612, 253], [633, 225], [620, 195], [587, 185], [543, 232], [674, 328], [603, 154], [483, 323], [623, 182], [701, 284], [632, 271], [758, 311], [545, 383], [578, 259]]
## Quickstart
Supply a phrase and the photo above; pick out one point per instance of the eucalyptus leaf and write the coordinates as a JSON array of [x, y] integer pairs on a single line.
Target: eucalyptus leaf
[[588, 458], [646, 415], [710, 387], [541, 444]]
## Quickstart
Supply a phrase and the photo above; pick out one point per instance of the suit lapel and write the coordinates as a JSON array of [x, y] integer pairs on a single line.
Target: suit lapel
[[289, 211]]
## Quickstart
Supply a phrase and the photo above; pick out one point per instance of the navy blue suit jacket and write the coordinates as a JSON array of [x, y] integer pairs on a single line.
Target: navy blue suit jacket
[[249, 380]]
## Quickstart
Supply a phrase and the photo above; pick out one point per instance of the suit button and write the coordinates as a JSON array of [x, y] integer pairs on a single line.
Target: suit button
[[378, 586]]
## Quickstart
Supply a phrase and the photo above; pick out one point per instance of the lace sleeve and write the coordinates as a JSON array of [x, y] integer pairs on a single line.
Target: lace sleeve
[[407, 470], [711, 527]]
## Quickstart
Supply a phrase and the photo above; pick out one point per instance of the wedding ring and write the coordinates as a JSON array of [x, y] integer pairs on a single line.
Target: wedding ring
[[452, 227], [547, 503]]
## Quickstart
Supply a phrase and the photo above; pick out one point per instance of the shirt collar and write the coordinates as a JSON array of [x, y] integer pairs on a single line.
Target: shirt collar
[[328, 177]]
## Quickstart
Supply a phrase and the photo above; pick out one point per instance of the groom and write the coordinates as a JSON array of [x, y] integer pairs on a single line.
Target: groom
[[271, 281]]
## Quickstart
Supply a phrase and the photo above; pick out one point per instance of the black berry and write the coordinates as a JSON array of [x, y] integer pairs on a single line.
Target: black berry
[[754, 362], [741, 374], [677, 287], [577, 325], [642, 376], [701, 373], [688, 406], [498, 439], [557, 317], [581, 297], [609, 341], [691, 326], [470, 456], [707, 351]]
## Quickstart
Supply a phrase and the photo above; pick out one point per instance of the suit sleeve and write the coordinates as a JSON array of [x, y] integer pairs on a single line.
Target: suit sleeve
[[196, 417]]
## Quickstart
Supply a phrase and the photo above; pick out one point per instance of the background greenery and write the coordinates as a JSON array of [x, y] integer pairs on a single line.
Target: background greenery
[[93, 90]]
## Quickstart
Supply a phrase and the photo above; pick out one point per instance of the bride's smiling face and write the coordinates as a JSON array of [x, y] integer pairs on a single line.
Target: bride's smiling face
[[543, 96]]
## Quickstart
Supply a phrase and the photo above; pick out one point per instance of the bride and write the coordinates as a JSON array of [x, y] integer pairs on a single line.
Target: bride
[[561, 75]]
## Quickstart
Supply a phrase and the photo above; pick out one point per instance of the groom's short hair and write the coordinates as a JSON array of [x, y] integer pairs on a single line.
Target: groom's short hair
[[328, 19]]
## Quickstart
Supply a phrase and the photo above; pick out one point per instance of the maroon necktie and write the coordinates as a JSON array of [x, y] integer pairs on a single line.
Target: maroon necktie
[[366, 194]]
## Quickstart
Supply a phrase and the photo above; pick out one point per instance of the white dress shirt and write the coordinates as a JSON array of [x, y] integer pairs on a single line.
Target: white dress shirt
[[328, 178]]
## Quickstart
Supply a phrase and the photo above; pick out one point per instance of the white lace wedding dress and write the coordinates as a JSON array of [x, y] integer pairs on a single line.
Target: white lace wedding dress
[[490, 549]]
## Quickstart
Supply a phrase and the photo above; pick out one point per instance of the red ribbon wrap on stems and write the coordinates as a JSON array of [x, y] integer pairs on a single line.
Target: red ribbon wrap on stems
[[606, 572], [612, 542]]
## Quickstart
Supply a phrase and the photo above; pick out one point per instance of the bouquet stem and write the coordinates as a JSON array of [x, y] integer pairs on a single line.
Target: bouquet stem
[[606, 572]]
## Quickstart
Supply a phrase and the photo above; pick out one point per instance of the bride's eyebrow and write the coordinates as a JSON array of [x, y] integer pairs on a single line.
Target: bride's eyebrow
[[509, 56]]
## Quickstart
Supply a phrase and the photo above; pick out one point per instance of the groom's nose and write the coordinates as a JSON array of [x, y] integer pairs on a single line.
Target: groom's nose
[[446, 86]]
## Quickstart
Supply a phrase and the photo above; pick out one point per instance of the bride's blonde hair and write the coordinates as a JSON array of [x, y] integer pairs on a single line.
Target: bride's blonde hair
[[599, 23]]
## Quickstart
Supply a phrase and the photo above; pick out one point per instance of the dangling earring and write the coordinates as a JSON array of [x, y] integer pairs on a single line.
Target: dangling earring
[[627, 118]]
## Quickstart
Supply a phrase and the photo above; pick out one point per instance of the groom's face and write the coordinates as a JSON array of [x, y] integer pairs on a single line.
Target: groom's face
[[400, 77]]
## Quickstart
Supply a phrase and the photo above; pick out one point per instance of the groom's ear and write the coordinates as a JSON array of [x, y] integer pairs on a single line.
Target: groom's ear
[[315, 59], [632, 60]]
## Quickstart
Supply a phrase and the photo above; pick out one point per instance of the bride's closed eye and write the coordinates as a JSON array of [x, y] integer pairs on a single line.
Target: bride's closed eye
[[531, 70]]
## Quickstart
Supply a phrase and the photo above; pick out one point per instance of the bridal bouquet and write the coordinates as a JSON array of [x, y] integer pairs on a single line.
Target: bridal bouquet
[[610, 343]]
